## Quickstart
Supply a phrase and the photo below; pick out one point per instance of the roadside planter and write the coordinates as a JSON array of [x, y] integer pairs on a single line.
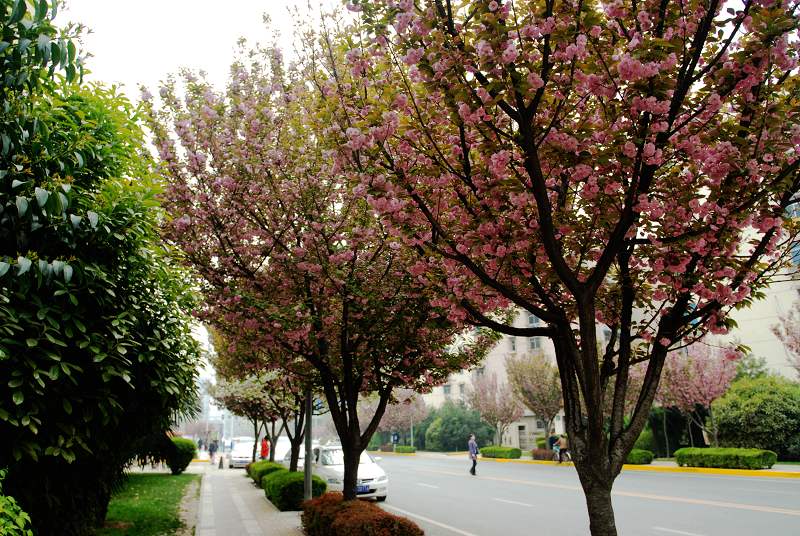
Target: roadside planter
[[501, 452]]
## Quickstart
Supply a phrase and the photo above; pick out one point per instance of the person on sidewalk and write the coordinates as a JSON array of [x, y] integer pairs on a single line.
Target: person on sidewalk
[[563, 448], [212, 449], [264, 448], [473, 453]]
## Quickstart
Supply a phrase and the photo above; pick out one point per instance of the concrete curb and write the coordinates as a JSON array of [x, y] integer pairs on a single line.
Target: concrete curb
[[652, 468]]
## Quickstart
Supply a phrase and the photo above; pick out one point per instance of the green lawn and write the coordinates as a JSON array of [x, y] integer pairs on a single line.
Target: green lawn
[[147, 505]]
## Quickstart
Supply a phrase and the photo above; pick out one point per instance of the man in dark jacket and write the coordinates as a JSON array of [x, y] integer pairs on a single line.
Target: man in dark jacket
[[473, 453]]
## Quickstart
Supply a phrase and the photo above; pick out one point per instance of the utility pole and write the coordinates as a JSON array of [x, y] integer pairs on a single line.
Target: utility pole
[[412, 429], [307, 492]]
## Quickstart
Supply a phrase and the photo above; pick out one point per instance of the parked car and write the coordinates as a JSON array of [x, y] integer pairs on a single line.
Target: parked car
[[372, 480], [287, 458], [281, 446], [242, 454]]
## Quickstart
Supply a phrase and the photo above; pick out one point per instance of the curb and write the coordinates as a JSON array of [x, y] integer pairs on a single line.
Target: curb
[[198, 460], [378, 453], [659, 469]]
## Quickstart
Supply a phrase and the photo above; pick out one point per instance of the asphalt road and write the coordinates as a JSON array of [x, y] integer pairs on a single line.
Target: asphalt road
[[508, 499]]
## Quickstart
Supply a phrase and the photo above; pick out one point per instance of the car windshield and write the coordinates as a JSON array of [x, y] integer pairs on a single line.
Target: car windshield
[[243, 448], [336, 457]]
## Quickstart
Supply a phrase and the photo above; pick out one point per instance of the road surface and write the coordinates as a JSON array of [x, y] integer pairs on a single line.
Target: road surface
[[509, 499]]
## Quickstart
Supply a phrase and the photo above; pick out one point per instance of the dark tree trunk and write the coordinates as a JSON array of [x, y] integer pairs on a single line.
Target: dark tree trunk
[[255, 443], [601, 511], [273, 439], [352, 455], [296, 436]]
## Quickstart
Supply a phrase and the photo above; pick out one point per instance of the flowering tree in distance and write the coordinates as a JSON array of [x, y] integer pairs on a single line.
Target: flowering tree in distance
[[697, 379], [246, 398], [292, 260], [534, 382], [407, 409], [788, 331], [495, 402], [583, 161]]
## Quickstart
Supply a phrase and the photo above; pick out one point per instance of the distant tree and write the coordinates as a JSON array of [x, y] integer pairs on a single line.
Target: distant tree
[[406, 410], [788, 331], [698, 378], [761, 413], [495, 403], [751, 366], [535, 383]]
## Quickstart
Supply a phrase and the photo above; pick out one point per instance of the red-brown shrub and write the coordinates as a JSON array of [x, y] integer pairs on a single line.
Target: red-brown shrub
[[329, 515], [542, 454]]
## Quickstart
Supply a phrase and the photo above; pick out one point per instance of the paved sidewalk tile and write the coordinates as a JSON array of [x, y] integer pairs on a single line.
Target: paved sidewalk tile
[[230, 505]]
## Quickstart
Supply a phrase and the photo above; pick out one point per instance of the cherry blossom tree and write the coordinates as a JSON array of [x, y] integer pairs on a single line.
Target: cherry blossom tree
[[697, 378], [788, 331], [291, 259], [597, 164], [535, 384], [246, 398], [407, 408], [495, 402]]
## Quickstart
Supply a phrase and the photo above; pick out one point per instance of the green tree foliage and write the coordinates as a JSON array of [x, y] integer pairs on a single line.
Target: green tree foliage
[[448, 427], [96, 355], [761, 413], [13, 520], [751, 366]]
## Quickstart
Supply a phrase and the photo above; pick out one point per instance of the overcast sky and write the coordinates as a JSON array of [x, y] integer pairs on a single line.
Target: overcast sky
[[142, 41]]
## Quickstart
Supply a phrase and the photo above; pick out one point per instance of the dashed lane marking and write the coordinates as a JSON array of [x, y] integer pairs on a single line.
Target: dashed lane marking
[[513, 502], [429, 520], [676, 531]]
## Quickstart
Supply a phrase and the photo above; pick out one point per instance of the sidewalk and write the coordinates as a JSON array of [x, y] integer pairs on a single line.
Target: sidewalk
[[230, 505]]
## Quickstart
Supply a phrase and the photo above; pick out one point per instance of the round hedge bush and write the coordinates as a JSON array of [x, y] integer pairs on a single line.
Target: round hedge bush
[[284, 488], [181, 454], [260, 469], [493, 451], [639, 457]]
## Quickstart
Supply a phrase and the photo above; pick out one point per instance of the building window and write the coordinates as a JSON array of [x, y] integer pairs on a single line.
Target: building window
[[607, 335], [446, 389], [479, 371], [533, 320], [521, 427], [462, 388], [513, 341], [535, 343], [540, 423]]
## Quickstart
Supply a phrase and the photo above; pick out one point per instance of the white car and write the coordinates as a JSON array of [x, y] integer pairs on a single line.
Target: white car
[[281, 446], [242, 454], [287, 459], [372, 480]]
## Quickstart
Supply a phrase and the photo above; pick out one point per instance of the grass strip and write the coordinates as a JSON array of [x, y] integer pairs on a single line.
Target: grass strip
[[147, 505]]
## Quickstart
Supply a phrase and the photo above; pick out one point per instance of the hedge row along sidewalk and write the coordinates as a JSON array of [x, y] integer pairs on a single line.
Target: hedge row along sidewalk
[[763, 473]]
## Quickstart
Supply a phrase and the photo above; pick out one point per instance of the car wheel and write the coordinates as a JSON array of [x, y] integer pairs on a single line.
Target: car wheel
[[380, 499]]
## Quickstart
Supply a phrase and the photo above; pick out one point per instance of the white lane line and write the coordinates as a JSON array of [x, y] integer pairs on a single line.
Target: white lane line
[[429, 520], [513, 502], [674, 531], [427, 485]]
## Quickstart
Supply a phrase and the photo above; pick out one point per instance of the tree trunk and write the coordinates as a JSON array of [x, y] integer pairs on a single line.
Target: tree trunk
[[273, 439], [255, 443], [664, 427], [294, 457], [352, 456], [601, 511]]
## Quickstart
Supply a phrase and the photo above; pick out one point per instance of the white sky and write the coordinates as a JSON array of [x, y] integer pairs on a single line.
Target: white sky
[[142, 41]]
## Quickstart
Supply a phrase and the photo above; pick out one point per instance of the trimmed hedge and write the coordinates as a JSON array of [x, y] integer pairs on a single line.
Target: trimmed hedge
[[639, 457], [501, 452], [284, 488], [181, 454], [726, 458], [541, 442], [329, 515], [386, 447], [259, 469], [405, 449]]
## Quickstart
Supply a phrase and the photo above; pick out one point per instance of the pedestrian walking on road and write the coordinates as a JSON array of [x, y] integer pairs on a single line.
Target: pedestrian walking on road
[[264, 448], [473, 453]]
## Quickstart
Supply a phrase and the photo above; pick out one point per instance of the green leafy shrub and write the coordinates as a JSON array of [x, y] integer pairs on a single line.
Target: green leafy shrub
[[329, 515], [13, 520], [267, 478], [728, 458], [259, 469], [541, 442], [640, 457], [646, 441], [542, 454], [493, 451], [405, 449], [761, 413], [285, 488], [181, 454]]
